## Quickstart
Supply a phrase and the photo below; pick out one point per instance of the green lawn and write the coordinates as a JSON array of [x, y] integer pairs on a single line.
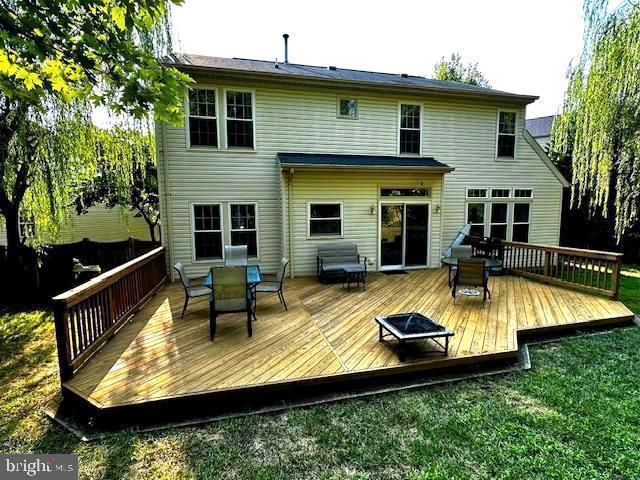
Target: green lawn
[[574, 415]]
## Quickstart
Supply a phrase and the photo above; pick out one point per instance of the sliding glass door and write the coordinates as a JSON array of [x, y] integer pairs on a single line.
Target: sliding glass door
[[404, 232]]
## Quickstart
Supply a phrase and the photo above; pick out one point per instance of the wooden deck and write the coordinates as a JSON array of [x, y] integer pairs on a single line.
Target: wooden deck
[[327, 335]]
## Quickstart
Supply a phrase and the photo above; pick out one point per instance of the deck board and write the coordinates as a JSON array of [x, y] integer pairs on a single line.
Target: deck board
[[326, 332]]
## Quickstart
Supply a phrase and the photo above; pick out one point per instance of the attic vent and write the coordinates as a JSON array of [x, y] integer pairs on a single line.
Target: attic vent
[[404, 75], [331, 67]]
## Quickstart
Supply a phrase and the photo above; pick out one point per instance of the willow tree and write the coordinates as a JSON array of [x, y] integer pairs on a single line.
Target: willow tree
[[58, 61], [139, 190], [599, 127]]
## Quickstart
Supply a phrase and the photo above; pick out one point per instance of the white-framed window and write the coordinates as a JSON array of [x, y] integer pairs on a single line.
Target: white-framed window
[[476, 214], [324, 219], [477, 192], [405, 192], [506, 143], [410, 131], [239, 107], [499, 221], [522, 193], [500, 193], [202, 118], [206, 222], [521, 220], [347, 107], [243, 226]]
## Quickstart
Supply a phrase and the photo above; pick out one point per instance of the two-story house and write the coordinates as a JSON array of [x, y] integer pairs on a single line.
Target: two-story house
[[282, 157]]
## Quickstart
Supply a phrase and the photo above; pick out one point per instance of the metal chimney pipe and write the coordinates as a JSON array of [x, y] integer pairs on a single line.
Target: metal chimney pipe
[[286, 47]]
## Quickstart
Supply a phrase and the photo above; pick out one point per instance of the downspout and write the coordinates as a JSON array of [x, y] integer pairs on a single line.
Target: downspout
[[167, 237], [290, 216]]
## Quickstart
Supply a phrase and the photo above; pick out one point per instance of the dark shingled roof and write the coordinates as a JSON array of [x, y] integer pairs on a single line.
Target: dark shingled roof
[[540, 127], [333, 160], [310, 72]]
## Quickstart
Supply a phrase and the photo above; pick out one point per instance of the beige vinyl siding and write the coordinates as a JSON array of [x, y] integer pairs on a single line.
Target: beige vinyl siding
[[459, 133], [102, 224], [99, 224], [358, 191], [464, 137]]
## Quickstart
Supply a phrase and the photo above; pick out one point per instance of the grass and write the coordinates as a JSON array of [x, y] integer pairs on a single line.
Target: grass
[[574, 415]]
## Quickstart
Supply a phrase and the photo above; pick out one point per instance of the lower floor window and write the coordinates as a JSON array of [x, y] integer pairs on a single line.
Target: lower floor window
[[244, 230], [325, 219], [521, 217], [475, 216], [499, 220], [209, 235], [207, 232]]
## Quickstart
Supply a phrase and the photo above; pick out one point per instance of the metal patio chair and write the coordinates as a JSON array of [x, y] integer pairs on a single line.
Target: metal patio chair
[[230, 295], [190, 290], [471, 273], [235, 256], [276, 285]]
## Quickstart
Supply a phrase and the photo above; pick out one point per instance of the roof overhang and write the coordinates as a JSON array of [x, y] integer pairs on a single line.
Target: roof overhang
[[290, 161]]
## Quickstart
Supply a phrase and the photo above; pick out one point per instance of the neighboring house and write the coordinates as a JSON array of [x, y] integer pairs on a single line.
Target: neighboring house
[[540, 130], [99, 224], [284, 157]]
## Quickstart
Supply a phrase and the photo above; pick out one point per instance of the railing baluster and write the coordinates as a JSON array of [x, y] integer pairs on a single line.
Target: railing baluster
[[589, 270], [87, 316]]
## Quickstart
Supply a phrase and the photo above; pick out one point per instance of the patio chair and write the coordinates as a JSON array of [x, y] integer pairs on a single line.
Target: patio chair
[[230, 295], [275, 286], [471, 273], [235, 256], [190, 291], [458, 251]]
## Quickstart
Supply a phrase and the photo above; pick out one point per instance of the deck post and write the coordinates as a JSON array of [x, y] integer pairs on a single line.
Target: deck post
[[61, 317]]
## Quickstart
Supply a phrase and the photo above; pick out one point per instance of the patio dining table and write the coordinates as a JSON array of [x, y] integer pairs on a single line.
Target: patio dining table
[[254, 277]]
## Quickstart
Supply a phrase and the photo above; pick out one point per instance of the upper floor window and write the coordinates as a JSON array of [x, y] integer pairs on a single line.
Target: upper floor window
[[506, 134], [410, 129], [203, 118], [347, 108], [239, 119]]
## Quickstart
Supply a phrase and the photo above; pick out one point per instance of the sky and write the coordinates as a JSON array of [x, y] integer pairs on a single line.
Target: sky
[[520, 46]]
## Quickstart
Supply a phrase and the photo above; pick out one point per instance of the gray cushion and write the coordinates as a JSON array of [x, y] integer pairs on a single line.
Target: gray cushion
[[198, 291], [268, 287], [326, 266]]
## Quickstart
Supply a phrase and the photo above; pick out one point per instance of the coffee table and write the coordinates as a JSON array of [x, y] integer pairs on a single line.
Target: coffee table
[[406, 327], [355, 273]]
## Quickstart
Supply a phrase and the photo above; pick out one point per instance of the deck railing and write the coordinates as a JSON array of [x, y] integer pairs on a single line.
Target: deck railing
[[87, 316], [589, 270]]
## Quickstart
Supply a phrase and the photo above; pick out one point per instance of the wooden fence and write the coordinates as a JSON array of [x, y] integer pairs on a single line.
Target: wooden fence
[[589, 270], [87, 316]]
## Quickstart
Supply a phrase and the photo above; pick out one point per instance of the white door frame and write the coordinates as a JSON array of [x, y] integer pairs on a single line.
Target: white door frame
[[403, 201]]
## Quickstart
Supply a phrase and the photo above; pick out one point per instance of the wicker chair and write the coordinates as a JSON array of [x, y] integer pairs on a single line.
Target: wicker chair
[[230, 295], [190, 291], [471, 273]]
